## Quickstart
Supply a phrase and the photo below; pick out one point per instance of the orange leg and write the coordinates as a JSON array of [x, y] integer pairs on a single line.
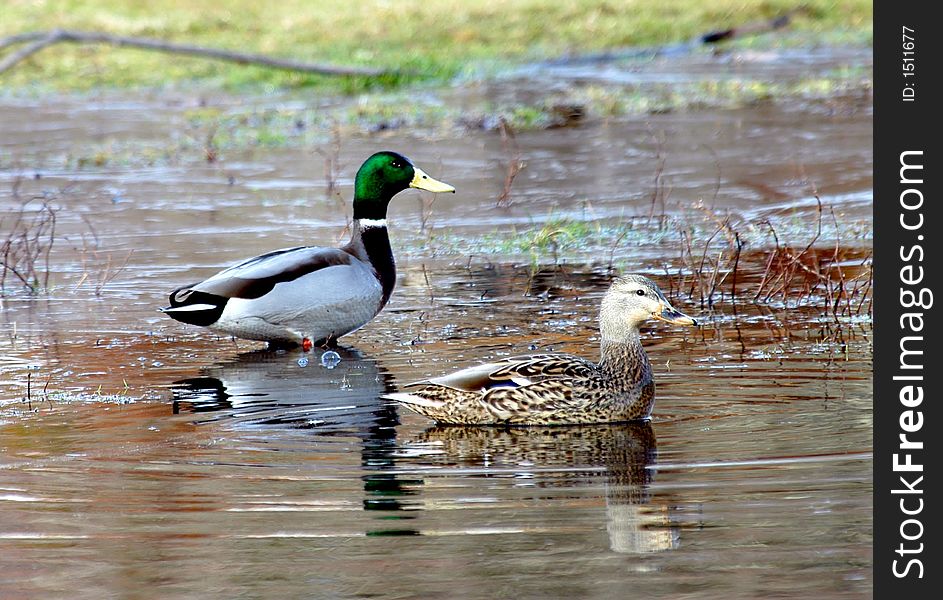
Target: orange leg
[[306, 345]]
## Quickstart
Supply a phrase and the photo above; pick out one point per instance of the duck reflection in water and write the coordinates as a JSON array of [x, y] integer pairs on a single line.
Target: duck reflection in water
[[272, 392], [623, 453], [328, 391], [321, 393]]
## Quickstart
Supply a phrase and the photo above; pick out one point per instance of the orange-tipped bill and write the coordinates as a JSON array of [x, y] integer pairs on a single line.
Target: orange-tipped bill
[[674, 316]]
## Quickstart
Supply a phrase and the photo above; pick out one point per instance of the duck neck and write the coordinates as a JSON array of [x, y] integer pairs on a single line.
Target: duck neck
[[369, 204], [370, 241], [624, 362]]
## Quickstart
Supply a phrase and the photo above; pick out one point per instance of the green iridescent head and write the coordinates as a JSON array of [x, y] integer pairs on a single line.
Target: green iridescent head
[[384, 175]]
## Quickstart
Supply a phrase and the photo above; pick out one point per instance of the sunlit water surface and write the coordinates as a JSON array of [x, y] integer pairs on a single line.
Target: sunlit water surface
[[141, 458]]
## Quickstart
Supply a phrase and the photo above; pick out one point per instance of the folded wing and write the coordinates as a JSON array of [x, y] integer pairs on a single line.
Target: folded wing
[[203, 303]]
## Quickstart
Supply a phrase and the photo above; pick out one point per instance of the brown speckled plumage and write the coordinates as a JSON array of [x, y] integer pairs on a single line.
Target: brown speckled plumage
[[558, 389]]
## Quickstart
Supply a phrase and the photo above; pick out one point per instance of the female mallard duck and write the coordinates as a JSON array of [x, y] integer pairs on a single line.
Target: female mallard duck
[[559, 389], [310, 295]]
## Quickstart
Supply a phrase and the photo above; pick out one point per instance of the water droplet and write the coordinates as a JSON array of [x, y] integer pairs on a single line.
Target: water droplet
[[303, 362], [330, 359]]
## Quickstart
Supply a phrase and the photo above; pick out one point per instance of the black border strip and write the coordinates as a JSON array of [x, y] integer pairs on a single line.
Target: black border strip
[[907, 340]]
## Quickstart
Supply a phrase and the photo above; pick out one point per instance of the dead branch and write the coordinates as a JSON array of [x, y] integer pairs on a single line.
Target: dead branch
[[750, 29], [711, 38], [41, 39], [26, 51]]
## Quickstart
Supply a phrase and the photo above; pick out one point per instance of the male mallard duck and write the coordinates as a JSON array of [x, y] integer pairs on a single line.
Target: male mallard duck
[[310, 295], [559, 389]]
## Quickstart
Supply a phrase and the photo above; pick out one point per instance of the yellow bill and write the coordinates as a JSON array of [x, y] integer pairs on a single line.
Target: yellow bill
[[424, 182]]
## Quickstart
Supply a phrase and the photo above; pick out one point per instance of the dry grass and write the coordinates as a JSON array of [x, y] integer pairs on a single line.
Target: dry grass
[[28, 235], [797, 276], [836, 277]]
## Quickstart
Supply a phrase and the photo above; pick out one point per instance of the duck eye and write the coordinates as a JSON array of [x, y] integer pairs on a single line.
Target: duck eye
[[396, 164], [640, 292]]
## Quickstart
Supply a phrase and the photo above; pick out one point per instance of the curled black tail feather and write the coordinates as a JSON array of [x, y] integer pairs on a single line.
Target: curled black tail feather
[[185, 297]]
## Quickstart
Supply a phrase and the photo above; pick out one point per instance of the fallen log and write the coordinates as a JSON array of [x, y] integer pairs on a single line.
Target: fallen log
[[680, 48], [38, 40]]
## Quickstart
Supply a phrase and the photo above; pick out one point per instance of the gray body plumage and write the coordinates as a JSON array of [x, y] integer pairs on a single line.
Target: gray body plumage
[[321, 305], [296, 294]]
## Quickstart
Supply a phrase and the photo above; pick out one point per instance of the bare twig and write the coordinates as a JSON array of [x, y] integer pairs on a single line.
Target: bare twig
[[717, 179], [661, 190], [109, 272], [514, 164], [332, 165], [210, 149], [736, 265], [426, 203], [28, 244], [429, 288], [866, 294], [615, 244], [331, 153]]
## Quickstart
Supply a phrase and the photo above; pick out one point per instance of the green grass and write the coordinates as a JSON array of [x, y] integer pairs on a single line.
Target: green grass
[[430, 39]]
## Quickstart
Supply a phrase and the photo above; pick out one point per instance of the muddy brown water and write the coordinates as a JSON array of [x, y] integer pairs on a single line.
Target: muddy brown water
[[141, 458]]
